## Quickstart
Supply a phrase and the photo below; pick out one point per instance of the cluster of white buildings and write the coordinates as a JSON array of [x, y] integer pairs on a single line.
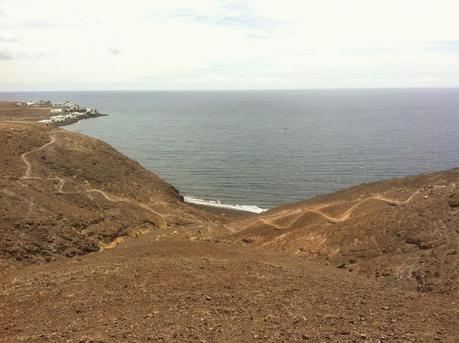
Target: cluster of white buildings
[[62, 112], [35, 103], [67, 106], [59, 107], [65, 118]]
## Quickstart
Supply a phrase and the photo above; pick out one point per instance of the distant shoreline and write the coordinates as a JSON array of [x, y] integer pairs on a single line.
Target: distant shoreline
[[217, 204], [63, 113], [46, 112], [71, 121]]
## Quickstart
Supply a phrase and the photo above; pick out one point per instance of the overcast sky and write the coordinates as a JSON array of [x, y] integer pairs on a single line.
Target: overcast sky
[[216, 44]]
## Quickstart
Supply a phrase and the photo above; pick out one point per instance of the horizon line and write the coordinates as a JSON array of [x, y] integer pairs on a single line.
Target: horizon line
[[228, 89]]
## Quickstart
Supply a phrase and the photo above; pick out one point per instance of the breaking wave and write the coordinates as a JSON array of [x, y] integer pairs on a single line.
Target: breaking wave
[[217, 203]]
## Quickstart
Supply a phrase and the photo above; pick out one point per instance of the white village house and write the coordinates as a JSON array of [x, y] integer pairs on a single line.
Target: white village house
[[67, 106], [63, 112], [59, 118]]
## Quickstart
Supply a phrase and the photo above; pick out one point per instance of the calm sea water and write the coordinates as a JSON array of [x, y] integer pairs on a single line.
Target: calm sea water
[[266, 148]]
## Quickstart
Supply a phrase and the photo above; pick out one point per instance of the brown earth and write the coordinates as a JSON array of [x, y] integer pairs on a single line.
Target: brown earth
[[205, 291], [10, 111], [63, 194], [403, 232], [69, 273]]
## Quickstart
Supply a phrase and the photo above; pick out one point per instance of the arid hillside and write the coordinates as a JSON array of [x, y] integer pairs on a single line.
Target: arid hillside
[[9, 110], [403, 232], [63, 194], [178, 290]]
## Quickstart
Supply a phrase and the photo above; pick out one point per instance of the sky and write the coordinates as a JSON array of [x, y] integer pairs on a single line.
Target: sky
[[217, 44]]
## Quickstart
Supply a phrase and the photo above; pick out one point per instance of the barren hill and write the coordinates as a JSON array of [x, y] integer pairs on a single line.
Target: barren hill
[[9, 110], [176, 290], [63, 194], [404, 232]]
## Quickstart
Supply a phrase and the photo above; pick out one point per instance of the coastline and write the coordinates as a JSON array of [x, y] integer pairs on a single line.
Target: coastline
[[219, 205], [70, 121], [45, 112], [10, 111]]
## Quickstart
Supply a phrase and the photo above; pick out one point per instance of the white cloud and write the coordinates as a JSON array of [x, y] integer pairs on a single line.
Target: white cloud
[[114, 51], [228, 44], [8, 39], [5, 55]]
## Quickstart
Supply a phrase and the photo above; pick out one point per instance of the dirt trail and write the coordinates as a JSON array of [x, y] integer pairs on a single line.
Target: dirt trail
[[28, 175], [396, 202], [28, 172], [346, 215]]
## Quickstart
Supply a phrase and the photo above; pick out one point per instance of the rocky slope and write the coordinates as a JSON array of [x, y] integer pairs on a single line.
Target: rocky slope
[[404, 232], [192, 291], [10, 111], [63, 194]]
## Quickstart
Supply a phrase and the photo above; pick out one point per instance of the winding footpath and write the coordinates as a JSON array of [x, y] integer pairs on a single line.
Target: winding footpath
[[28, 175], [270, 219], [28, 172]]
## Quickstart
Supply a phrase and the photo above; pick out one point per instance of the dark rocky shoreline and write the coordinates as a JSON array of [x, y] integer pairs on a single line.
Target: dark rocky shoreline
[[71, 121]]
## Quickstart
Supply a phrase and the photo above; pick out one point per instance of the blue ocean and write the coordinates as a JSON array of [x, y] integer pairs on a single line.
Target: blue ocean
[[260, 149]]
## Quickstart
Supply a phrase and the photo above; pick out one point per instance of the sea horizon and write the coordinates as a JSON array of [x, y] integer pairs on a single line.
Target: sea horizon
[[224, 89]]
